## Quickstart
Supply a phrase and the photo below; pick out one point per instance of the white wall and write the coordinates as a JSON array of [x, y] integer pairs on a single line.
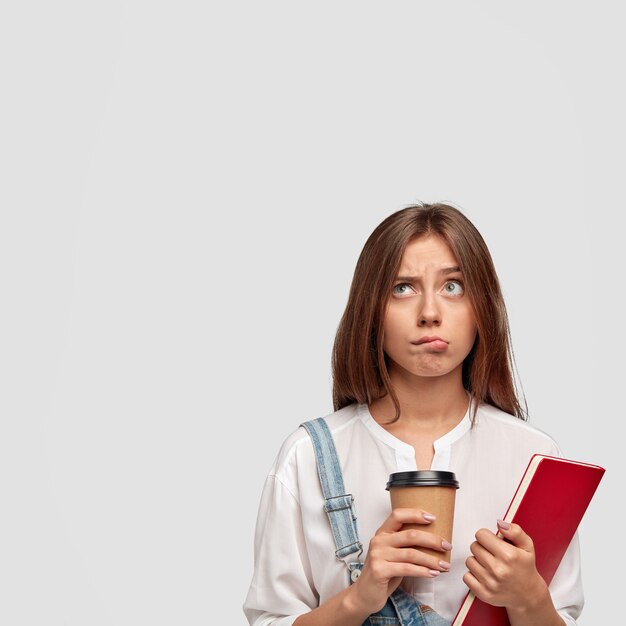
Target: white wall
[[186, 187]]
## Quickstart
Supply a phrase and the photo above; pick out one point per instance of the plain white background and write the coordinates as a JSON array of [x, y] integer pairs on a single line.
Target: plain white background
[[186, 187]]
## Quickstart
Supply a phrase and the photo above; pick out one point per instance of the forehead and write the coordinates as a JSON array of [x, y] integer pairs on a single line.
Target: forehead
[[426, 254]]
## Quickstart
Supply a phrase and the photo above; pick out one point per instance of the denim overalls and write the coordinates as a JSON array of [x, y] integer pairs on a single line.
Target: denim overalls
[[402, 608]]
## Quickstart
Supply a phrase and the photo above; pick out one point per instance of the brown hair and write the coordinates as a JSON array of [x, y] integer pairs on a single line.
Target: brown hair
[[359, 364]]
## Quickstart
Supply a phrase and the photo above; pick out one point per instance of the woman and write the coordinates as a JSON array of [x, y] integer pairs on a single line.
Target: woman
[[422, 379]]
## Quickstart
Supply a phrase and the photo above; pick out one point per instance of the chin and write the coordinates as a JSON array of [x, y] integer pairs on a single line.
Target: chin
[[428, 373]]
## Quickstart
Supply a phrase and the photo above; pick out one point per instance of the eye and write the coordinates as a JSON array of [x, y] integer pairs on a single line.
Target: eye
[[401, 289], [454, 292]]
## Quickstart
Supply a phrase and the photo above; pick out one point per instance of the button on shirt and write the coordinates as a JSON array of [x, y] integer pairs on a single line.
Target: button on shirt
[[295, 565]]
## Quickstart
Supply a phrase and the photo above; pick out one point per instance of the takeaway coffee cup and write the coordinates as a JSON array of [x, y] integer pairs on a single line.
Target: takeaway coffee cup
[[431, 491]]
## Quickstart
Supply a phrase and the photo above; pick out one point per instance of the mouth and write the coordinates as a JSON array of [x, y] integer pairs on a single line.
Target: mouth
[[429, 340], [433, 343]]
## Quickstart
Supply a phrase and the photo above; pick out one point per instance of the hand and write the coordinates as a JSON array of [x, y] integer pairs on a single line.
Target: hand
[[394, 553], [502, 570]]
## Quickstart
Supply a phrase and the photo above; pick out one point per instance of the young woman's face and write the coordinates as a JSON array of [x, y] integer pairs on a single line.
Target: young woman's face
[[428, 299]]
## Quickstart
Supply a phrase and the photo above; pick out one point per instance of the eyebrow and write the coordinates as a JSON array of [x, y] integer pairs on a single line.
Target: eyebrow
[[445, 270]]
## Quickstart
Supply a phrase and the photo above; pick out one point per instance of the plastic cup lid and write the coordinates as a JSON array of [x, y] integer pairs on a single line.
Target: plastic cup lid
[[423, 478]]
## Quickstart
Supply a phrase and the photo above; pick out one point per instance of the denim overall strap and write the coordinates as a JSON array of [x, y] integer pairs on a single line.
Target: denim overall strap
[[338, 504]]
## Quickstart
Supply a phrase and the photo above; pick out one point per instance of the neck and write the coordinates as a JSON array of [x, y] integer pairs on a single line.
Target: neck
[[425, 402]]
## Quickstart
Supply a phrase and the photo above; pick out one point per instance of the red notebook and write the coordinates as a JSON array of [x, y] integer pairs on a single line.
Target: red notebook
[[549, 504]]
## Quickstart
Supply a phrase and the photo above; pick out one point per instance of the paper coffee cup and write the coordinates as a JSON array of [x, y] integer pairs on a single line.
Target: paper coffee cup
[[431, 491]]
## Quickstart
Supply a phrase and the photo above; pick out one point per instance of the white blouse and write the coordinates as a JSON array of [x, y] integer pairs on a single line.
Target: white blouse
[[295, 566]]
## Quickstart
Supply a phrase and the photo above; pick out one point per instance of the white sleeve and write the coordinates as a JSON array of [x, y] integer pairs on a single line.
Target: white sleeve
[[566, 587], [281, 587]]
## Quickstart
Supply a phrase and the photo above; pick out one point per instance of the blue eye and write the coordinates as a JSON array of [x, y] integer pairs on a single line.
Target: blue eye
[[400, 293], [402, 289], [453, 282]]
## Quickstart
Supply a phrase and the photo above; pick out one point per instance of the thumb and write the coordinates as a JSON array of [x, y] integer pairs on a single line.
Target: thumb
[[515, 535]]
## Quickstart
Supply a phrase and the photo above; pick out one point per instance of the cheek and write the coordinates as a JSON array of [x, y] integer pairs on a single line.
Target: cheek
[[471, 326], [468, 321], [472, 330], [393, 324], [391, 337]]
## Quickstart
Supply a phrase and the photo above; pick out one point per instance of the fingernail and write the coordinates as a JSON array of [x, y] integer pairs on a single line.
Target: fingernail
[[433, 572], [446, 545], [503, 525], [430, 517], [444, 565]]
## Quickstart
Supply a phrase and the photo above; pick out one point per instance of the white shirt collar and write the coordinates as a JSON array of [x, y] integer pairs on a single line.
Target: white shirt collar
[[405, 453]]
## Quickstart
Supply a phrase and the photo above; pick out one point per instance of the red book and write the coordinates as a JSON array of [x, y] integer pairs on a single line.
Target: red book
[[549, 504]]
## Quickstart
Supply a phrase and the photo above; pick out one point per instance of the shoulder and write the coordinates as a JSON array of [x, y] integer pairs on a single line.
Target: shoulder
[[298, 443], [494, 423]]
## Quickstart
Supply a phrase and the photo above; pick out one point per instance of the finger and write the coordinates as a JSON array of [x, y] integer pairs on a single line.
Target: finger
[[482, 555], [399, 517], [515, 534], [480, 573], [402, 546], [386, 563], [415, 556], [475, 586], [414, 537], [497, 546], [490, 541], [395, 570]]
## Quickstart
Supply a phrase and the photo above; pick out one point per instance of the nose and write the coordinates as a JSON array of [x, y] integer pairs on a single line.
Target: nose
[[428, 313]]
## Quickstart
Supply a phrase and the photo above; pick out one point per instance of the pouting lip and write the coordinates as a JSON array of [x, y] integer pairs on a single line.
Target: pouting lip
[[425, 339]]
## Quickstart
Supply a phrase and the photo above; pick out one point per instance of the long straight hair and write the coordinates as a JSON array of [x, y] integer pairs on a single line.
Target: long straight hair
[[359, 364]]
